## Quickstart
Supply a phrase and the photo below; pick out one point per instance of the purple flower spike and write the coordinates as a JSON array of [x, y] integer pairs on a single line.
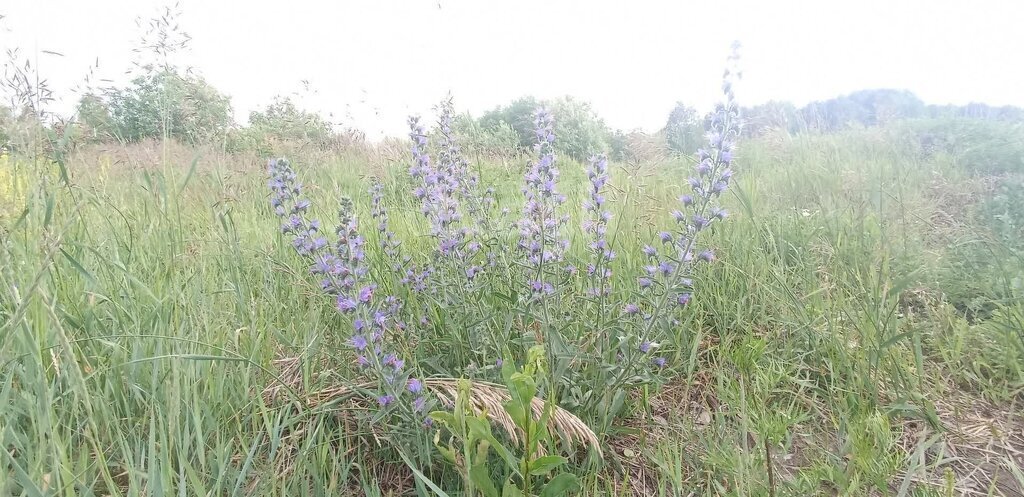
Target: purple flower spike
[[713, 172]]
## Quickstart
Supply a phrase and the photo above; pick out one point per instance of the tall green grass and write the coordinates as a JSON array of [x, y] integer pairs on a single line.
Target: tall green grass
[[141, 312]]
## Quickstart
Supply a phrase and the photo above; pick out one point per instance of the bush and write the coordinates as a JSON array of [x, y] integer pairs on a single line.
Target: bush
[[637, 147], [581, 132], [761, 119], [517, 115]]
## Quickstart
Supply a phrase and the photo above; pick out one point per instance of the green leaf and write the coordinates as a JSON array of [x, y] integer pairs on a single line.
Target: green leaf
[[544, 464], [421, 476], [510, 490], [516, 412], [21, 219], [894, 339], [478, 428], [48, 216], [448, 453], [563, 484], [444, 417], [484, 433], [188, 177], [482, 479], [78, 267]]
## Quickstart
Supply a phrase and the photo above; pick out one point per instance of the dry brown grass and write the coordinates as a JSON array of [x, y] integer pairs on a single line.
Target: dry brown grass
[[487, 398], [981, 447]]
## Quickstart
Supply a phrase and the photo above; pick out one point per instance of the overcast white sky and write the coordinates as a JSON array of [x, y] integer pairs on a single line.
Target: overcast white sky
[[373, 62]]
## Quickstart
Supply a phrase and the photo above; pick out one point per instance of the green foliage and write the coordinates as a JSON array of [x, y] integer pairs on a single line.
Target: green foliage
[[526, 471], [980, 147], [684, 131], [581, 133], [1003, 212], [579, 129], [495, 140], [94, 119], [163, 103], [769, 116], [518, 115], [865, 108], [141, 315], [282, 122], [6, 123]]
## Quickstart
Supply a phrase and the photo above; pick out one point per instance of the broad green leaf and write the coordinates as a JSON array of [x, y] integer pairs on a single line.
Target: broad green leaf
[[516, 412], [444, 417], [563, 484], [510, 490], [544, 464], [482, 479]]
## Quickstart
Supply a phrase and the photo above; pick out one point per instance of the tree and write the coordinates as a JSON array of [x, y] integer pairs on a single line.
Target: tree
[[864, 107], [518, 115], [164, 102], [580, 131], [773, 115], [282, 121], [684, 131], [94, 119]]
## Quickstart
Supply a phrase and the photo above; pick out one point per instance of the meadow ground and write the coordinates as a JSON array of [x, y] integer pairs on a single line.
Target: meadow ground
[[862, 332]]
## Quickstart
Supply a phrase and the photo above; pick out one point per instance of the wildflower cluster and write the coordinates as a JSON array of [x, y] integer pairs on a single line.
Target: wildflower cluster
[[344, 275], [593, 356]]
